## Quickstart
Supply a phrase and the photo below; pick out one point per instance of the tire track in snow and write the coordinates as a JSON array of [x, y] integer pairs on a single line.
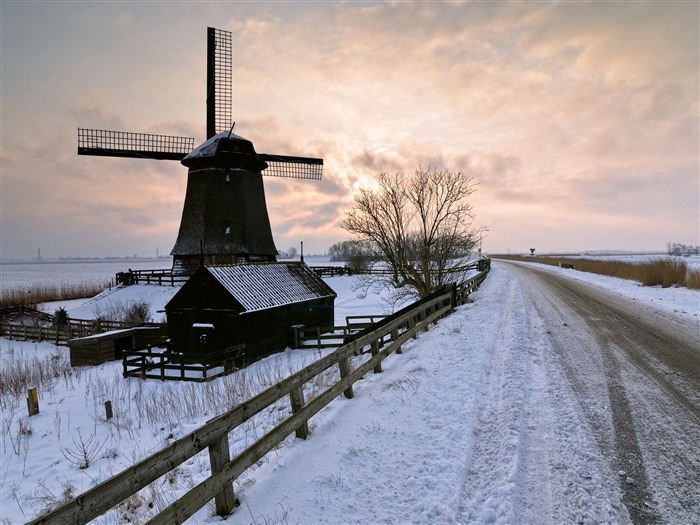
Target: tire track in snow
[[493, 467], [532, 459], [636, 376]]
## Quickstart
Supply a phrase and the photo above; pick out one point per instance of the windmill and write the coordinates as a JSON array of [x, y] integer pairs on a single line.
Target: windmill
[[224, 218]]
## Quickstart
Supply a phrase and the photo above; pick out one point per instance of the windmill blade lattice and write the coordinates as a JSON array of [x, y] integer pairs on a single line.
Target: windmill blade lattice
[[106, 143], [219, 81], [292, 167]]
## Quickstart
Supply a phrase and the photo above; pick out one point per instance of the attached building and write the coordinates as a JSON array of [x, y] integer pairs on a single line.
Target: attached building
[[255, 304]]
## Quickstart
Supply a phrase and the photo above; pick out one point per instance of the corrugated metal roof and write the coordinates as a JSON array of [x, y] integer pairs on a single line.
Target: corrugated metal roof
[[269, 285]]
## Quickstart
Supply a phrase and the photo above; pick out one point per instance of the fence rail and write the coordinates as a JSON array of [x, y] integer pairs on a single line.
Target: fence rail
[[160, 277], [380, 340], [151, 362], [331, 271], [23, 323]]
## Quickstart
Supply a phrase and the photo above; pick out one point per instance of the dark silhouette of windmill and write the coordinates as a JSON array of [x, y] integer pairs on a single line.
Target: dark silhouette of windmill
[[224, 218]]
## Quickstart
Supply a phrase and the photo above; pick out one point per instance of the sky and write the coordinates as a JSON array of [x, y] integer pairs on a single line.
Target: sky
[[578, 120]]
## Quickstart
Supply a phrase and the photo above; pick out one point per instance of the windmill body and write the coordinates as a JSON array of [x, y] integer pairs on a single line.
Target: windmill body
[[224, 218]]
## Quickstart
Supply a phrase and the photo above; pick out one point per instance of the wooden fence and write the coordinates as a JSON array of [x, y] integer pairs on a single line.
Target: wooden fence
[[331, 271], [151, 362], [23, 323], [161, 277], [379, 341]]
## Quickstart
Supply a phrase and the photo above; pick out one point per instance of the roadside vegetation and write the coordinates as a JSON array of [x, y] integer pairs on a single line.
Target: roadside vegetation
[[44, 294], [654, 272]]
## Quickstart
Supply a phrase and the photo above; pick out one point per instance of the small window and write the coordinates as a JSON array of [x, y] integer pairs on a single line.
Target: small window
[[227, 229]]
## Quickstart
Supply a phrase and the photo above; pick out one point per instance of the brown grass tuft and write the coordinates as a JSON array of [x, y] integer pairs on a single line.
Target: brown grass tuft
[[692, 279]]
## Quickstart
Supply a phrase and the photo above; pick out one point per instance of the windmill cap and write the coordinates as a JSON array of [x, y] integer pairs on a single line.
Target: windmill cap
[[226, 150]]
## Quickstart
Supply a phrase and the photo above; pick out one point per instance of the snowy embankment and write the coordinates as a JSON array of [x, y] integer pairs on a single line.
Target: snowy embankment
[[473, 423]]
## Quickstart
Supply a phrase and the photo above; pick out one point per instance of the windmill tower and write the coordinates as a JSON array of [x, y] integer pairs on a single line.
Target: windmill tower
[[224, 218]]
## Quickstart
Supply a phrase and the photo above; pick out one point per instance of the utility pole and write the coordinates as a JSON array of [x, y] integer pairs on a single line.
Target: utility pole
[[481, 235]]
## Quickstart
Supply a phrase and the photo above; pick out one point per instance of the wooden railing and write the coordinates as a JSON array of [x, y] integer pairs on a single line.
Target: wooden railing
[[464, 289], [378, 341], [331, 271], [160, 277], [330, 337], [152, 362], [28, 324]]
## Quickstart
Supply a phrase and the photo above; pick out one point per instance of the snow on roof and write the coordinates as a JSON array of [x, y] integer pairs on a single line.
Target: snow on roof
[[208, 148], [268, 285]]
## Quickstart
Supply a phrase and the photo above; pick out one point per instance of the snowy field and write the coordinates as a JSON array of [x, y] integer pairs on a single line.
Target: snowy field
[[54, 274], [444, 435]]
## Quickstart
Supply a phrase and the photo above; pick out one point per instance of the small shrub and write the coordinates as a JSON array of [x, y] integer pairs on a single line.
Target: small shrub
[[358, 263], [137, 312], [131, 312], [60, 317], [85, 451]]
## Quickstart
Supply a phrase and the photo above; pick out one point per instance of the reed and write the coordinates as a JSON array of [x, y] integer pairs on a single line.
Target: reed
[[692, 279], [654, 272], [45, 293]]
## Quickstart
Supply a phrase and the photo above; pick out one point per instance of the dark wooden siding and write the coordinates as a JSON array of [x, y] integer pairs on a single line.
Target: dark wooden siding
[[203, 300]]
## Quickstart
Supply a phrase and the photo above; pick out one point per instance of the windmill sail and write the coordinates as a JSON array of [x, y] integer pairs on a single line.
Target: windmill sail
[[219, 81], [292, 167], [104, 143]]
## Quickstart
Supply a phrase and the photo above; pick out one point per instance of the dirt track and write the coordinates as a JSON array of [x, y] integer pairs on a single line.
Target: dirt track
[[636, 373]]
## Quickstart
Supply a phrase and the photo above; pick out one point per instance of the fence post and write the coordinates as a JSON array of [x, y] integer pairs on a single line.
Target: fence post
[[218, 457], [375, 351], [108, 410], [344, 366], [297, 398], [297, 335], [32, 401], [394, 337]]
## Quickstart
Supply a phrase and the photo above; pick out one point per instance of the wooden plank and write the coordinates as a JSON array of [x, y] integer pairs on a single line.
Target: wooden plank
[[375, 350], [344, 366], [219, 455], [297, 400]]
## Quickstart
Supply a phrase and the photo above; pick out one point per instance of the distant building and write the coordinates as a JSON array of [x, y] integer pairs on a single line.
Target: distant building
[[254, 304]]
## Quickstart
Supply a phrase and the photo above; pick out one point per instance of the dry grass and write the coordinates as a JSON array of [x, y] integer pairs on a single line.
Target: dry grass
[[655, 272], [693, 279], [44, 294]]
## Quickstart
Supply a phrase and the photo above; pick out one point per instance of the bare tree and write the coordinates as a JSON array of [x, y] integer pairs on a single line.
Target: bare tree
[[419, 228]]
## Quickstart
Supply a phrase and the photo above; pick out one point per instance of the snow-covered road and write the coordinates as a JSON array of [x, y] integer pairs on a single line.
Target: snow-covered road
[[537, 403], [636, 374]]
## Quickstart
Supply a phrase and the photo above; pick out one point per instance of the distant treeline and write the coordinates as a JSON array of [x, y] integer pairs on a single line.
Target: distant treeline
[[679, 249]]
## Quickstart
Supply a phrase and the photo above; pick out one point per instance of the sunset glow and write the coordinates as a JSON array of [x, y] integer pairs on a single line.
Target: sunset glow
[[579, 120]]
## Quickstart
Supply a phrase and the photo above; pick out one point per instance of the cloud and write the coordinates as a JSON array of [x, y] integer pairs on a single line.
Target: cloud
[[572, 116]]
